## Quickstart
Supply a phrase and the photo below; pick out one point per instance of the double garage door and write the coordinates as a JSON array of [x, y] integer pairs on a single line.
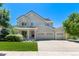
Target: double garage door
[[45, 35]]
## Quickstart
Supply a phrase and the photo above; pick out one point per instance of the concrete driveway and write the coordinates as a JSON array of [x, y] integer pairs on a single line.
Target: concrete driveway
[[58, 46]]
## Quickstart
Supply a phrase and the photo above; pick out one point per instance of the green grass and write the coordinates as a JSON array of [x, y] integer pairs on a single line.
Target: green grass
[[18, 46]]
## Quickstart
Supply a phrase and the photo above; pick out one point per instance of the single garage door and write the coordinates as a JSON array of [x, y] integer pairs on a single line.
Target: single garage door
[[59, 36]]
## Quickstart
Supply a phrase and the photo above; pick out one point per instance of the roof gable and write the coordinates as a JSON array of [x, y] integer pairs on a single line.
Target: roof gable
[[34, 13]]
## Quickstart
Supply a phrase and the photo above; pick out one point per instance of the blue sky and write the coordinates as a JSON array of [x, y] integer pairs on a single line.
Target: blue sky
[[57, 12]]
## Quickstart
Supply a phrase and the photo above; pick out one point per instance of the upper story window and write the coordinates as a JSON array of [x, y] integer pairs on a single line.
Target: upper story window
[[33, 23], [23, 24], [47, 24]]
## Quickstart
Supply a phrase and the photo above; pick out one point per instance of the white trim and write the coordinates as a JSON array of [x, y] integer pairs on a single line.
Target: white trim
[[25, 28]]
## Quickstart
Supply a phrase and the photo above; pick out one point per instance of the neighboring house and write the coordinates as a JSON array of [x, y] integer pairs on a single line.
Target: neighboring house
[[34, 26]]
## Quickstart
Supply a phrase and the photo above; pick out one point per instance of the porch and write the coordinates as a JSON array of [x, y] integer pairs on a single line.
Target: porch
[[28, 33]]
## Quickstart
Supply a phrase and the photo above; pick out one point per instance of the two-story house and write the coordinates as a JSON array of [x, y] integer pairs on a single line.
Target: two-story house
[[33, 26]]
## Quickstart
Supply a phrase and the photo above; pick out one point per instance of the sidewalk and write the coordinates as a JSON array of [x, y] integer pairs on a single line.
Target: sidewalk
[[40, 53]]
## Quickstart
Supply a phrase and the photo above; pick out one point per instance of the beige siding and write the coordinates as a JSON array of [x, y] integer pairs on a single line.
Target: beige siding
[[31, 18]]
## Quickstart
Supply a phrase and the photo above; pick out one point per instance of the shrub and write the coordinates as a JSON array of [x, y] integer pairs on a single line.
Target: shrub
[[4, 32], [2, 38], [73, 37], [14, 37], [13, 31]]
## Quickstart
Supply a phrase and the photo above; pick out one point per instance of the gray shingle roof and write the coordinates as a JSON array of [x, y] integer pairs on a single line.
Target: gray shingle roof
[[48, 19]]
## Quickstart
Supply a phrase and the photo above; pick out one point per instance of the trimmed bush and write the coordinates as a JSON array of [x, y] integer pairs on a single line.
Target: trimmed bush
[[4, 33], [73, 37], [2, 37], [14, 37]]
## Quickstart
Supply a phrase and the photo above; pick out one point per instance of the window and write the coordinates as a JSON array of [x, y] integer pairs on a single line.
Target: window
[[23, 24], [33, 23], [47, 24]]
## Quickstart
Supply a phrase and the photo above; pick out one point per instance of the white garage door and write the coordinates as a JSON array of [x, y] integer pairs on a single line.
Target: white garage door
[[45, 35], [59, 36]]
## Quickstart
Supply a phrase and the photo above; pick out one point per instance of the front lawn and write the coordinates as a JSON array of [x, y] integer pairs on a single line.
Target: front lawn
[[18, 46]]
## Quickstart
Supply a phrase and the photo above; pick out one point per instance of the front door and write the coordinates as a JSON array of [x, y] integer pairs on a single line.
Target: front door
[[32, 35]]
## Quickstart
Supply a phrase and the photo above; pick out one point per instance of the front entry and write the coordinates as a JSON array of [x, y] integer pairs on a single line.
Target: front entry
[[32, 34], [28, 35]]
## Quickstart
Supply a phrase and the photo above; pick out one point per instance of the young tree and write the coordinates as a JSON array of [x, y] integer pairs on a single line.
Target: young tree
[[4, 18], [4, 22], [71, 25]]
